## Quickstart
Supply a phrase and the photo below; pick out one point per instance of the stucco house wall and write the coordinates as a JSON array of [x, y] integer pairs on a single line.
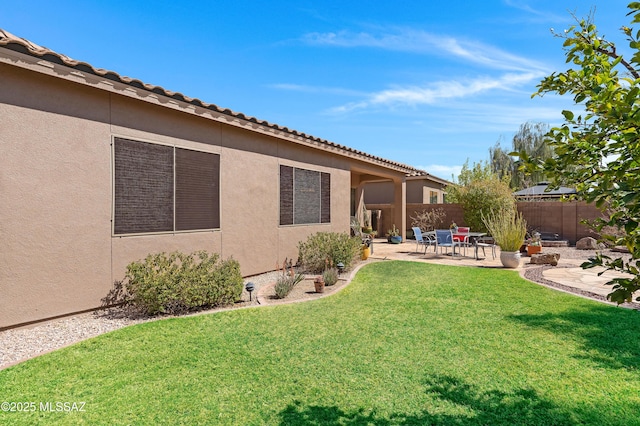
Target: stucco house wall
[[58, 250], [58, 123], [419, 189]]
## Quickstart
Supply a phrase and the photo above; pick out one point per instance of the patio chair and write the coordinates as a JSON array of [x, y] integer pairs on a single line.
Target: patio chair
[[427, 239], [444, 238], [484, 242], [462, 237]]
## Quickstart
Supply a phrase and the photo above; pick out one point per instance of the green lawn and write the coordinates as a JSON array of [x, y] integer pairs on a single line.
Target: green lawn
[[404, 343]]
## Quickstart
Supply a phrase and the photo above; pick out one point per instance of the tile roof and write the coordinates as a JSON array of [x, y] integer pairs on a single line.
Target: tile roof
[[21, 45], [540, 190]]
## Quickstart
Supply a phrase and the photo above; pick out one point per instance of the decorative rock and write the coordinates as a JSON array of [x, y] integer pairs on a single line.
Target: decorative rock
[[620, 249], [587, 243], [545, 259]]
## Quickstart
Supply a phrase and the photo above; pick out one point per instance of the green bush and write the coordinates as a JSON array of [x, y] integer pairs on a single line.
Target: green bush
[[179, 282], [480, 191], [330, 276], [331, 247]]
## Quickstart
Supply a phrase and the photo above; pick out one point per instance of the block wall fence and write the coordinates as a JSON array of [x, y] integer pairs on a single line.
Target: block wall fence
[[562, 218]]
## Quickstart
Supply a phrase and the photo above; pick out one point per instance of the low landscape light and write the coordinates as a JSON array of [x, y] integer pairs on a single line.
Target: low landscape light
[[250, 287], [340, 267]]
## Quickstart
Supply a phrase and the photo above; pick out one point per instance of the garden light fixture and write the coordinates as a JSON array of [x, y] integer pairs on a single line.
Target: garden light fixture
[[250, 287]]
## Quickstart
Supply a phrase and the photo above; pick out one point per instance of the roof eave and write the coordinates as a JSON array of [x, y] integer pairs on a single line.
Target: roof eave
[[20, 52]]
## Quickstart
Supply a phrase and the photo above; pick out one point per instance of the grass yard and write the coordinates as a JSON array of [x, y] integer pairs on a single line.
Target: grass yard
[[405, 343]]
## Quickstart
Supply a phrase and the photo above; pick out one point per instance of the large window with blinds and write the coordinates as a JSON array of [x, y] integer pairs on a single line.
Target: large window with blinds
[[160, 188], [305, 196]]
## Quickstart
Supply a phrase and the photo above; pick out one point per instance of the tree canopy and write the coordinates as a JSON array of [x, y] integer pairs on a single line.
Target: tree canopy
[[480, 191], [597, 149], [531, 138]]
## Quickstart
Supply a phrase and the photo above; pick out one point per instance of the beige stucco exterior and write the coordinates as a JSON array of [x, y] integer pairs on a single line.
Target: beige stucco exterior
[[58, 253], [419, 190]]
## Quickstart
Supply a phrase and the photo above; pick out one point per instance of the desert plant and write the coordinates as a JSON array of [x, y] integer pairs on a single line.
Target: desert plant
[[507, 227], [179, 282], [355, 226], [335, 246], [330, 276], [287, 280], [366, 217], [428, 220]]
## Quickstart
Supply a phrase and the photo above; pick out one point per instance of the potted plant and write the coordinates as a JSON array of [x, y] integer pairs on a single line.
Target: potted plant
[[318, 283], [508, 229], [393, 235], [534, 244], [366, 250]]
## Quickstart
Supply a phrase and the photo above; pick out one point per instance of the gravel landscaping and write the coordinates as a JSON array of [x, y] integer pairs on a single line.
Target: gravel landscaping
[[26, 342]]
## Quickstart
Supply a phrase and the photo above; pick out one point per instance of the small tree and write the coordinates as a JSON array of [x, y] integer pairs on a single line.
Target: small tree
[[480, 191], [598, 150]]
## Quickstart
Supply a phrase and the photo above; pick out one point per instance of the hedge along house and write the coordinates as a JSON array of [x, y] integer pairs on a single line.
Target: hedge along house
[[99, 170]]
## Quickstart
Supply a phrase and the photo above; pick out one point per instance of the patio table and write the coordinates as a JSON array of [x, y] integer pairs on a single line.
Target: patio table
[[473, 238]]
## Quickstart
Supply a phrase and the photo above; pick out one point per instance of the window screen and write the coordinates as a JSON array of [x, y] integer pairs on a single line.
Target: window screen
[[162, 189], [197, 190], [143, 187], [305, 196]]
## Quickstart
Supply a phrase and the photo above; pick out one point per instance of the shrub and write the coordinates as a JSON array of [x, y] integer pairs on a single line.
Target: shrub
[[335, 247], [507, 227], [287, 280], [428, 220], [480, 192], [330, 276], [179, 282]]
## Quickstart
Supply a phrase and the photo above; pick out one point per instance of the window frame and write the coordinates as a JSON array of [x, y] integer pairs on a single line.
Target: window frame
[[174, 178], [324, 196]]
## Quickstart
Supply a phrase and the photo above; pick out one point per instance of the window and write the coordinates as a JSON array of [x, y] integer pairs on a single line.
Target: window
[[305, 196], [160, 188], [433, 197]]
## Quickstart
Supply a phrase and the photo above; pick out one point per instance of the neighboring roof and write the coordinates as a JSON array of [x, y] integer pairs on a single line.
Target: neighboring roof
[[540, 190], [21, 45], [424, 175]]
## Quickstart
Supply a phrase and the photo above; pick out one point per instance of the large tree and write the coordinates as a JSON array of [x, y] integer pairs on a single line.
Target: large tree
[[597, 149], [531, 138]]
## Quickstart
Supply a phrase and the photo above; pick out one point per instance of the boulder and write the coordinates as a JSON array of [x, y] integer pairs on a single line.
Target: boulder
[[588, 243], [545, 259]]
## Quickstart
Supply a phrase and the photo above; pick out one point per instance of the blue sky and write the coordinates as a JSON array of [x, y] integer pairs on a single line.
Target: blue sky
[[426, 83]]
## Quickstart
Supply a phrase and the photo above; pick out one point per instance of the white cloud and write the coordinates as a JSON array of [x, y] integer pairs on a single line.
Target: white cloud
[[438, 91], [316, 89], [537, 14], [421, 42]]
